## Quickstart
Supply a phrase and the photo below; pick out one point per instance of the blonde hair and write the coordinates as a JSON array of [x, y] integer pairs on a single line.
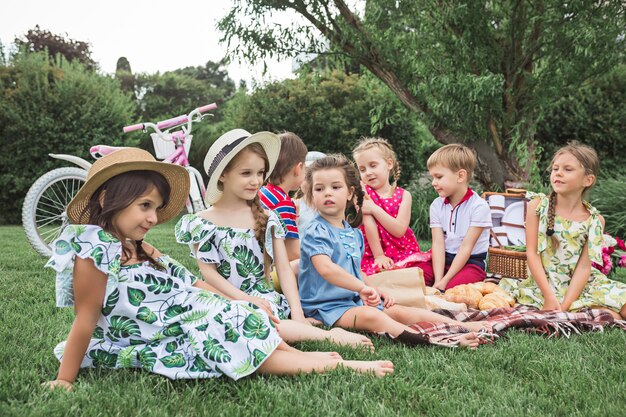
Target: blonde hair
[[454, 157], [386, 151], [260, 217], [351, 177], [588, 159]]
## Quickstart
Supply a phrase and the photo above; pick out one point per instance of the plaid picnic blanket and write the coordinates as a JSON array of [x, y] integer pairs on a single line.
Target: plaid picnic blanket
[[528, 319]]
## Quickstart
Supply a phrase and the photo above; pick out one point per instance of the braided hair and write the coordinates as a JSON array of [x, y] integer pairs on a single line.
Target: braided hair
[[551, 214], [386, 151], [259, 214], [351, 177], [588, 159]]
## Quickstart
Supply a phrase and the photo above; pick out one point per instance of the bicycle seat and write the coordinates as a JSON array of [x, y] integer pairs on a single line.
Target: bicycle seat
[[99, 151]]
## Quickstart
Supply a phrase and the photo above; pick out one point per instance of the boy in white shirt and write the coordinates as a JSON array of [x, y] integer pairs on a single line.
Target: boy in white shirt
[[459, 219]]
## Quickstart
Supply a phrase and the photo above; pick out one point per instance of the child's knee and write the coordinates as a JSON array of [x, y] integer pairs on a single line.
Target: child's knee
[[368, 317], [427, 269], [468, 275]]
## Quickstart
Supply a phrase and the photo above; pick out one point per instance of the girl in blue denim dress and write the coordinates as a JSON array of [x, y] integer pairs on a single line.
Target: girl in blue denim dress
[[330, 284]]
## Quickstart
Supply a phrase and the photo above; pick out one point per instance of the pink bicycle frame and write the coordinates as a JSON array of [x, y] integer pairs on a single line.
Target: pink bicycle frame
[[179, 157]]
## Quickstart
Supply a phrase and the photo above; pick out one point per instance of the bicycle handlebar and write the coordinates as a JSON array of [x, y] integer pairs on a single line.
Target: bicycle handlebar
[[133, 128], [164, 124], [172, 122], [206, 108]]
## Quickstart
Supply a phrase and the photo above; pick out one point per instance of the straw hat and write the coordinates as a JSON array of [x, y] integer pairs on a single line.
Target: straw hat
[[224, 150], [125, 160]]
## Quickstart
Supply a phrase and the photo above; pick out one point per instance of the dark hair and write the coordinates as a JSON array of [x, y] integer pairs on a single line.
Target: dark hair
[[119, 193], [350, 175], [292, 152]]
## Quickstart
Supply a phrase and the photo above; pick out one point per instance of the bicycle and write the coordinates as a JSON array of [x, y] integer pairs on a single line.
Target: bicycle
[[43, 211]]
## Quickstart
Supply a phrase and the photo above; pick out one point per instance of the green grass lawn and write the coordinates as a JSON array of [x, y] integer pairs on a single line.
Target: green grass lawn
[[522, 374]]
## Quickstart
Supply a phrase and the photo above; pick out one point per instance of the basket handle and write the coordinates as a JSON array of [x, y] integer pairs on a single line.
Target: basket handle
[[493, 235], [516, 191]]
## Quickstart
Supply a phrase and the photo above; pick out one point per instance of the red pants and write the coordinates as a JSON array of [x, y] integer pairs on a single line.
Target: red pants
[[467, 275]]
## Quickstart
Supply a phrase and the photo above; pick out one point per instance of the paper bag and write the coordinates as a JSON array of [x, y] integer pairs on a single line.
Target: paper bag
[[405, 285]]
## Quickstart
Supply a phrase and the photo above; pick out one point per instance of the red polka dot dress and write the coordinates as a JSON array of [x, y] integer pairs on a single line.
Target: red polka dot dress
[[396, 248]]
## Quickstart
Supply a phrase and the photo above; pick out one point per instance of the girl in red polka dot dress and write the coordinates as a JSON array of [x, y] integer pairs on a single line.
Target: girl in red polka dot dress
[[389, 242]]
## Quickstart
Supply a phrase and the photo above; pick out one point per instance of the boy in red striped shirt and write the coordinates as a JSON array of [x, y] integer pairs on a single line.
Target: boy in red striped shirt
[[286, 177]]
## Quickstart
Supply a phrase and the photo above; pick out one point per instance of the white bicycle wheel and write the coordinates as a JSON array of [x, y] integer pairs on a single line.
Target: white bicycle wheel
[[43, 212], [195, 201]]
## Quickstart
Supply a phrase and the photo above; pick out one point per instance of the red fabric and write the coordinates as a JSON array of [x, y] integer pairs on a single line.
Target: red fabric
[[467, 196], [397, 249], [467, 275]]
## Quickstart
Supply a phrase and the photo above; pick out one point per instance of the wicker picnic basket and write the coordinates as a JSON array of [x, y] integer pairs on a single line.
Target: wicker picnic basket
[[508, 263], [505, 262]]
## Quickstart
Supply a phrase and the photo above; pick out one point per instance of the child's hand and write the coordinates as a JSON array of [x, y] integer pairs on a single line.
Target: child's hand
[[301, 319], [265, 306], [388, 300], [58, 383], [552, 303], [369, 296], [383, 262], [368, 206], [314, 322], [440, 285]]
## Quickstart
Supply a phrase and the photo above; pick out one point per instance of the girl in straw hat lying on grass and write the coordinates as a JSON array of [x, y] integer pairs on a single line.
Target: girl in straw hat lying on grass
[[138, 308], [235, 240]]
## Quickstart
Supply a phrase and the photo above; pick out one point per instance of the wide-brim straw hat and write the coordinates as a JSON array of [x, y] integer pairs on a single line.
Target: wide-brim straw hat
[[125, 160], [224, 150]]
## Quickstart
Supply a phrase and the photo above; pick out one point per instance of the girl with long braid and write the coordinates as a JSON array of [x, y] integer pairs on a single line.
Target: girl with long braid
[[563, 238], [386, 210], [235, 240]]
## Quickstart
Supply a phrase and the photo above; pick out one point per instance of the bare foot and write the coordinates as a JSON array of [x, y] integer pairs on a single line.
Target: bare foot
[[343, 337], [378, 368], [477, 326], [324, 355], [469, 340]]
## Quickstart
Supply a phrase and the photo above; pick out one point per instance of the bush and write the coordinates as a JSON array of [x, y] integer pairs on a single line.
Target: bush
[[609, 198], [423, 196], [594, 115], [60, 108], [330, 111]]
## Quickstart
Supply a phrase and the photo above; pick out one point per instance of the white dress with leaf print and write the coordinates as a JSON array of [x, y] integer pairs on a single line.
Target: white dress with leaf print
[[156, 319], [560, 263], [237, 254]]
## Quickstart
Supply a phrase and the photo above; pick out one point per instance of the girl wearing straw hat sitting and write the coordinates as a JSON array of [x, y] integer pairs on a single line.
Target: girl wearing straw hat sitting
[[138, 308], [235, 240]]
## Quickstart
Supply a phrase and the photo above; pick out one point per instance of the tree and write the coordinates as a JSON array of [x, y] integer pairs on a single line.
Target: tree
[[176, 92], [125, 76], [595, 114], [330, 111], [38, 40], [482, 73], [60, 108]]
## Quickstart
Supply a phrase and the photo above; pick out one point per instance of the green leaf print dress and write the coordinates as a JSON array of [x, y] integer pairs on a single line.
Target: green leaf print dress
[[237, 254], [561, 262], [156, 319]]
